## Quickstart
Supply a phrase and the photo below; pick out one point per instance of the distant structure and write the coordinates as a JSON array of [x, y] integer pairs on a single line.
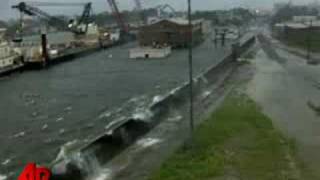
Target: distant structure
[[280, 5], [8, 57], [164, 11], [304, 19], [172, 32]]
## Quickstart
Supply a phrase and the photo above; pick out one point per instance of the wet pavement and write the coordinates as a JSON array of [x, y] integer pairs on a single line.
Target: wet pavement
[[42, 110], [287, 90]]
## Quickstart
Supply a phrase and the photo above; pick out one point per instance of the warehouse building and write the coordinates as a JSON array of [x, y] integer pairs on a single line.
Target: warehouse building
[[172, 32]]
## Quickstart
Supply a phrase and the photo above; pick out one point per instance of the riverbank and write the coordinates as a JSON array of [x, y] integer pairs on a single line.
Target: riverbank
[[236, 142]]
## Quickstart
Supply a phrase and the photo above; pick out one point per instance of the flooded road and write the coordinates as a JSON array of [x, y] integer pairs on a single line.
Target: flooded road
[[42, 110], [287, 90]]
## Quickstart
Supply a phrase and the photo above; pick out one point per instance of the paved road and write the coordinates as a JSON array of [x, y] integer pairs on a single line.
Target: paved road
[[42, 110], [288, 89]]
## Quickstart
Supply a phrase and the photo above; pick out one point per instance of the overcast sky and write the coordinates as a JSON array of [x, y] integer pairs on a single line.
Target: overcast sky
[[101, 5]]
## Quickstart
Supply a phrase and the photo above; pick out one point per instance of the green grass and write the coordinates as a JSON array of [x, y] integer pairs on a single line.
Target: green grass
[[237, 141]]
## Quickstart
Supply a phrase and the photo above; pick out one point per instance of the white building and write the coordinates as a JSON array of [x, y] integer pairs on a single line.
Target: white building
[[6, 53]]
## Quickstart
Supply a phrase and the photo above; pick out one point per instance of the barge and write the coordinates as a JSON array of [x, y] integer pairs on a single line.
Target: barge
[[36, 57]]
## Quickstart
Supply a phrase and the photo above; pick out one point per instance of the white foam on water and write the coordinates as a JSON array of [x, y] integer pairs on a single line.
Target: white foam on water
[[61, 155], [60, 119], [109, 132], [175, 119], [62, 131], [137, 100], [147, 142], [174, 91], [142, 115], [115, 122], [134, 99], [66, 149], [69, 108], [105, 115], [3, 177], [5, 162], [206, 94], [31, 102], [157, 99], [35, 114], [103, 175], [44, 127], [20, 134]]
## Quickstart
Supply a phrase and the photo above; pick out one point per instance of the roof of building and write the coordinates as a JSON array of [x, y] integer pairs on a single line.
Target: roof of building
[[180, 21], [292, 25], [184, 21], [315, 23], [304, 16]]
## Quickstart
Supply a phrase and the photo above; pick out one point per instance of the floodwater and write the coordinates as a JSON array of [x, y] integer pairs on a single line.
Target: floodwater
[[42, 110]]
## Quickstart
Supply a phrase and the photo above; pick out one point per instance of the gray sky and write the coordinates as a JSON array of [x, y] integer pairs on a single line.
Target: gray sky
[[101, 5]]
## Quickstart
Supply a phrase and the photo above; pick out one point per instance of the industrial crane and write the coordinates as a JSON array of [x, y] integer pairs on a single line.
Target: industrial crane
[[124, 27], [141, 11], [161, 12], [120, 21], [78, 27]]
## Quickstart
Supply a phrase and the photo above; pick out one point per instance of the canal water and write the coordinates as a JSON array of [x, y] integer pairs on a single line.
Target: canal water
[[42, 110]]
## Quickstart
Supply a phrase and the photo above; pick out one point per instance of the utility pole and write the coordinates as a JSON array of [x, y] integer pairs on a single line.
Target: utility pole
[[308, 41], [190, 67]]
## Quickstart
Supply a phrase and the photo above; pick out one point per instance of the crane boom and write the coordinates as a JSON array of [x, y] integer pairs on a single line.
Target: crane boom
[[60, 24], [161, 9], [42, 3], [140, 9], [33, 11], [138, 4], [115, 10], [86, 14]]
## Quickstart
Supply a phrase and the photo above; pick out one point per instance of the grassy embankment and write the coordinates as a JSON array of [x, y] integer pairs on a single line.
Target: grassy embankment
[[236, 142]]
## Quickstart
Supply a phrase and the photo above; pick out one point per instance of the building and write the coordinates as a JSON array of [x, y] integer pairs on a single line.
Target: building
[[304, 19], [7, 56], [296, 30], [206, 27], [280, 5], [172, 32]]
